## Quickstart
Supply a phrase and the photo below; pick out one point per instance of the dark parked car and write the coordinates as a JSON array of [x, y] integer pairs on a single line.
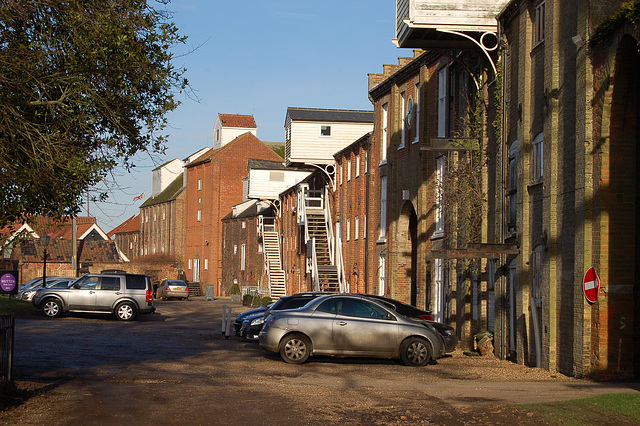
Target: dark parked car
[[349, 325], [125, 295], [252, 324], [237, 323]]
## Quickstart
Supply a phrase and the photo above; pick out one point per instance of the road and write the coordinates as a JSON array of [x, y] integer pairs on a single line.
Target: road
[[176, 367]]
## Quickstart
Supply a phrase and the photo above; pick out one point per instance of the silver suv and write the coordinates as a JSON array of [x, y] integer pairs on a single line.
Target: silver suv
[[125, 295]]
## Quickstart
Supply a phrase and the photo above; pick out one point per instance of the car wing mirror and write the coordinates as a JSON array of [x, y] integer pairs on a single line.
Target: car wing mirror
[[76, 286]]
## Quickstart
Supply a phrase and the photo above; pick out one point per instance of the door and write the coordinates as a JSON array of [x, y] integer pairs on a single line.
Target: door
[[196, 270], [82, 296], [109, 290], [362, 327]]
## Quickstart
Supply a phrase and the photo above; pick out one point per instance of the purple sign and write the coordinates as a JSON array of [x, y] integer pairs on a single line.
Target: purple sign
[[9, 282]]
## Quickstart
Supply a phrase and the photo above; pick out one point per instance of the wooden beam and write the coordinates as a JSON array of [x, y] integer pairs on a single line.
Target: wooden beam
[[474, 251], [452, 144]]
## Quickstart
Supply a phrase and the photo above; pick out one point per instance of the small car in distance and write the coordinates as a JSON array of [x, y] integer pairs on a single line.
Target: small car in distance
[[350, 325], [172, 289]]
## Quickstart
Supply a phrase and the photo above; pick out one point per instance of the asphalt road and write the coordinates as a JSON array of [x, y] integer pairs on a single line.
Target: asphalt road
[[176, 367]]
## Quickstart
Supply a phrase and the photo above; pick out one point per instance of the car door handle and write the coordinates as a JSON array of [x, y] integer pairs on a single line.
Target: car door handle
[[342, 323]]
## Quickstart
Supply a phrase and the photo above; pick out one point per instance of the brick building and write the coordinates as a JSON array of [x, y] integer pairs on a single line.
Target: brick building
[[214, 185], [162, 222], [127, 237], [571, 128]]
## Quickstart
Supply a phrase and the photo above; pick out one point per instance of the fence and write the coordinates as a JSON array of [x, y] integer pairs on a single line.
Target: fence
[[7, 329]]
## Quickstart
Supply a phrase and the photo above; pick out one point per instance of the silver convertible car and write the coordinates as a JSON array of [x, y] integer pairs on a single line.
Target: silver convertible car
[[349, 325]]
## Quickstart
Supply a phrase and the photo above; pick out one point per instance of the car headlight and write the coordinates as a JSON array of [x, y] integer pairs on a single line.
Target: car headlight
[[257, 321]]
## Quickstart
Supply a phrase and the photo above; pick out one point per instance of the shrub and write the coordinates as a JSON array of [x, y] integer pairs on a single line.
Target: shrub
[[235, 289], [266, 300]]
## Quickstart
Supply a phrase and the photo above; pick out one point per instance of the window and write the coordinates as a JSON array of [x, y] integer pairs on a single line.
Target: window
[[155, 217], [416, 107], [199, 184], [403, 109], [383, 208], [199, 215], [385, 133], [366, 161], [536, 278], [364, 226], [348, 170], [513, 187], [189, 264], [235, 249], [356, 229], [382, 272], [243, 257], [110, 283], [442, 103], [357, 165], [199, 200], [325, 130], [206, 264], [348, 229], [537, 160], [440, 170], [164, 215], [539, 24], [244, 225]]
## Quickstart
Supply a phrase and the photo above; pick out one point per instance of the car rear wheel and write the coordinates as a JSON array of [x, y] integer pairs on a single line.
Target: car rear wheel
[[125, 312], [415, 352], [52, 308], [295, 349]]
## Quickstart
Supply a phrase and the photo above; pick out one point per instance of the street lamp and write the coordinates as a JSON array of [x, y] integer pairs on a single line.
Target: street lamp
[[44, 240]]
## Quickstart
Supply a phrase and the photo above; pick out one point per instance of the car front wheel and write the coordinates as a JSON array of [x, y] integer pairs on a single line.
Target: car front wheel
[[125, 312], [52, 308], [415, 352], [295, 349]]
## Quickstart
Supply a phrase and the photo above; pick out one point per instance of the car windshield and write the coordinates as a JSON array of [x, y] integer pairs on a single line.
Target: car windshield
[[176, 283]]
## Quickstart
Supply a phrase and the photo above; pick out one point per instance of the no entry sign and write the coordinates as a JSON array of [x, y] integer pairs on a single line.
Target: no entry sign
[[591, 285]]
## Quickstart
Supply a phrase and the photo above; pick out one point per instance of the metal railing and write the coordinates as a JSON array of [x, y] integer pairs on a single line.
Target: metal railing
[[7, 331]]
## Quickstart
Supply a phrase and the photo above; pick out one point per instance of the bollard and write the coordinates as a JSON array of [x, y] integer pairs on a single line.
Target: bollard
[[229, 322], [224, 311]]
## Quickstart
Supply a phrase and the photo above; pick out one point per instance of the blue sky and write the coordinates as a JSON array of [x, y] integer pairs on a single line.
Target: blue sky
[[260, 57]]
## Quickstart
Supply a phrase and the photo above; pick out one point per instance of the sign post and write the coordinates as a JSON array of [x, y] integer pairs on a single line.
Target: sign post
[[591, 285]]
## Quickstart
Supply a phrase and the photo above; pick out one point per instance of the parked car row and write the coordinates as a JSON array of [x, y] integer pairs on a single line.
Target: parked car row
[[306, 324], [57, 282]]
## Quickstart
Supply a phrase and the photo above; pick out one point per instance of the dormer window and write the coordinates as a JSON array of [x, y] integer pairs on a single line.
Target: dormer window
[[325, 130]]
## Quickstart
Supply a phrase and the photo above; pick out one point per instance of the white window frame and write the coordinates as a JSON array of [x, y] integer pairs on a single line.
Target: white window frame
[[440, 210], [382, 274], [416, 107], [190, 263], [348, 229], [206, 264], [403, 121], [383, 208], [442, 103], [537, 158], [243, 257], [348, 169], [539, 23], [385, 133], [357, 228], [364, 226], [199, 216], [199, 184], [357, 164], [325, 131]]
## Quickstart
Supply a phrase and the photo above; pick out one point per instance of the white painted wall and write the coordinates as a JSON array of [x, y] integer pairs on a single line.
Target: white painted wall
[[268, 184], [309, 146], [164, 175], [224, 135]]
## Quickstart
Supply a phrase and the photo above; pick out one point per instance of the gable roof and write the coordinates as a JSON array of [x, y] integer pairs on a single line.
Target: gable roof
[[170, 193], [130, 225], [332, 115], [237, 120], [56, 229], [212, 154]]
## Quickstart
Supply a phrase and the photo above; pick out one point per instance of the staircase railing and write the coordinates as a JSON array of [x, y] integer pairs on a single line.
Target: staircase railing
[[268, 224], [314, 265]]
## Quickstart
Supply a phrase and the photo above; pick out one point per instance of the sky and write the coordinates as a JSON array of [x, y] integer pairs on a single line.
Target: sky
[[259, 57]]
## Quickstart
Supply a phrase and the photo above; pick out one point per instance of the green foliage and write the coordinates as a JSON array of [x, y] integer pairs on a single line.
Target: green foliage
[[235, 289], [84, 87], [266, 300], [629, 12]]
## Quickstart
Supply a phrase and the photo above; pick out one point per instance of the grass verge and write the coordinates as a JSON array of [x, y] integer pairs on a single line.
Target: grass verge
[[18, 307], [608, 409]]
